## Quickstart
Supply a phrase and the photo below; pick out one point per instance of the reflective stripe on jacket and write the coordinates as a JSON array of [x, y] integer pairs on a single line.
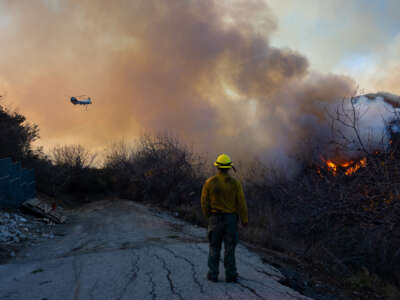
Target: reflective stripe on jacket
[[223, 193]]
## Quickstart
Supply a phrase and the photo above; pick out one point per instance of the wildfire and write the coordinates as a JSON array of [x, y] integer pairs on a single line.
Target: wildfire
[[350, 167], [331, 166]]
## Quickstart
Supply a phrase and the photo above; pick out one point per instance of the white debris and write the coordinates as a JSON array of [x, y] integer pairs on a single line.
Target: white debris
[[22, 236], [22, 219], [15, 228]]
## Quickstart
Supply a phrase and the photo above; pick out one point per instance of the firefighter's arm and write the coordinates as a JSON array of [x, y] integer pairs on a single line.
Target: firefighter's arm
[[205, 201], [242, 206]]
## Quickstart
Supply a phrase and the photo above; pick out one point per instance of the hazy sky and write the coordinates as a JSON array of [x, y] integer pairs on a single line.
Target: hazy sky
[[246, 75]]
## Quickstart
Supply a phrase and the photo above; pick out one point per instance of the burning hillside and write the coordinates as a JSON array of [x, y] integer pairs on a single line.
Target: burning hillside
[[363, 127]]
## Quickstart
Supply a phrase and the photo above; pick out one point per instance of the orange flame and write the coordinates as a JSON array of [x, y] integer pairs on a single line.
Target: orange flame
[[331, 166], [350, 166], [355, 167]]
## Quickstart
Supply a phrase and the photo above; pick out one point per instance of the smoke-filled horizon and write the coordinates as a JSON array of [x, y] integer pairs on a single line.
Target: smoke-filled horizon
[[202, 70]]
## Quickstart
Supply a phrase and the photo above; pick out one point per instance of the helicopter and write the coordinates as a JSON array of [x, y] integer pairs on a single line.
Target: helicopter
[[81, 101]]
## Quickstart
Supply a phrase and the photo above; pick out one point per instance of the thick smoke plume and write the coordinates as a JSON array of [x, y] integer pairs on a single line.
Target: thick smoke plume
[[203, 70]]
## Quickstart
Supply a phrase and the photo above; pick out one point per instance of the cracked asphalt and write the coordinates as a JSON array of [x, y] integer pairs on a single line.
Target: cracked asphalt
[[122, 250]]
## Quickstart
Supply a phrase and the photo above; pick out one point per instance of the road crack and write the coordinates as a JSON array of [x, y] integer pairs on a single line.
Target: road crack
[[296, 297], [171, 284], [258, 270], [153, 286], [227, 294], [77, 269], [253, 291], [192, 266], [133, 274], [258, 282], [93, 289], [201, 249], [269, 287]]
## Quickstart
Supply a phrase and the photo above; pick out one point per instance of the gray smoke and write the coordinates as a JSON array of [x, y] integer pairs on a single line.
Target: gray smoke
[[203, 70]]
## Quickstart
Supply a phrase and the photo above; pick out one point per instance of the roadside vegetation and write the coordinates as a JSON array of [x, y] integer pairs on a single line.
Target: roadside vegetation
[[346, 227]]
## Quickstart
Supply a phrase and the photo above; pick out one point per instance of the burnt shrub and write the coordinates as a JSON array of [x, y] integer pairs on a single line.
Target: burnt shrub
[[348, 221], [68, 169], [16, 135], [76, 172], [156, 169], [50, 179], [345, 215]]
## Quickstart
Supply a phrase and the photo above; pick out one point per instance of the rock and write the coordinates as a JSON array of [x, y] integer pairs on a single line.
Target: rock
[[6, 234], [15, 228], [22, 219]]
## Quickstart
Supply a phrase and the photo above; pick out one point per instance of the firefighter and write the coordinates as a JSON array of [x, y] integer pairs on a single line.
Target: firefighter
[[222, 203]]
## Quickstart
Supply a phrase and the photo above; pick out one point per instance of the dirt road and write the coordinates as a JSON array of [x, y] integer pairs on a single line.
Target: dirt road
[[122, 250]]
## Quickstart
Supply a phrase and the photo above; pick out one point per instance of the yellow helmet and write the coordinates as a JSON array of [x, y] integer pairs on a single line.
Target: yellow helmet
[[223, 162]]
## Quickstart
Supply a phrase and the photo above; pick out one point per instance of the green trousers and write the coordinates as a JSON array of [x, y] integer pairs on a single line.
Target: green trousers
[[222, 228]]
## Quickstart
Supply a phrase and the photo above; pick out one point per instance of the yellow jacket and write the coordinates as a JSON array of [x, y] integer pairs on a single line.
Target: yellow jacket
[[223, 193]]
